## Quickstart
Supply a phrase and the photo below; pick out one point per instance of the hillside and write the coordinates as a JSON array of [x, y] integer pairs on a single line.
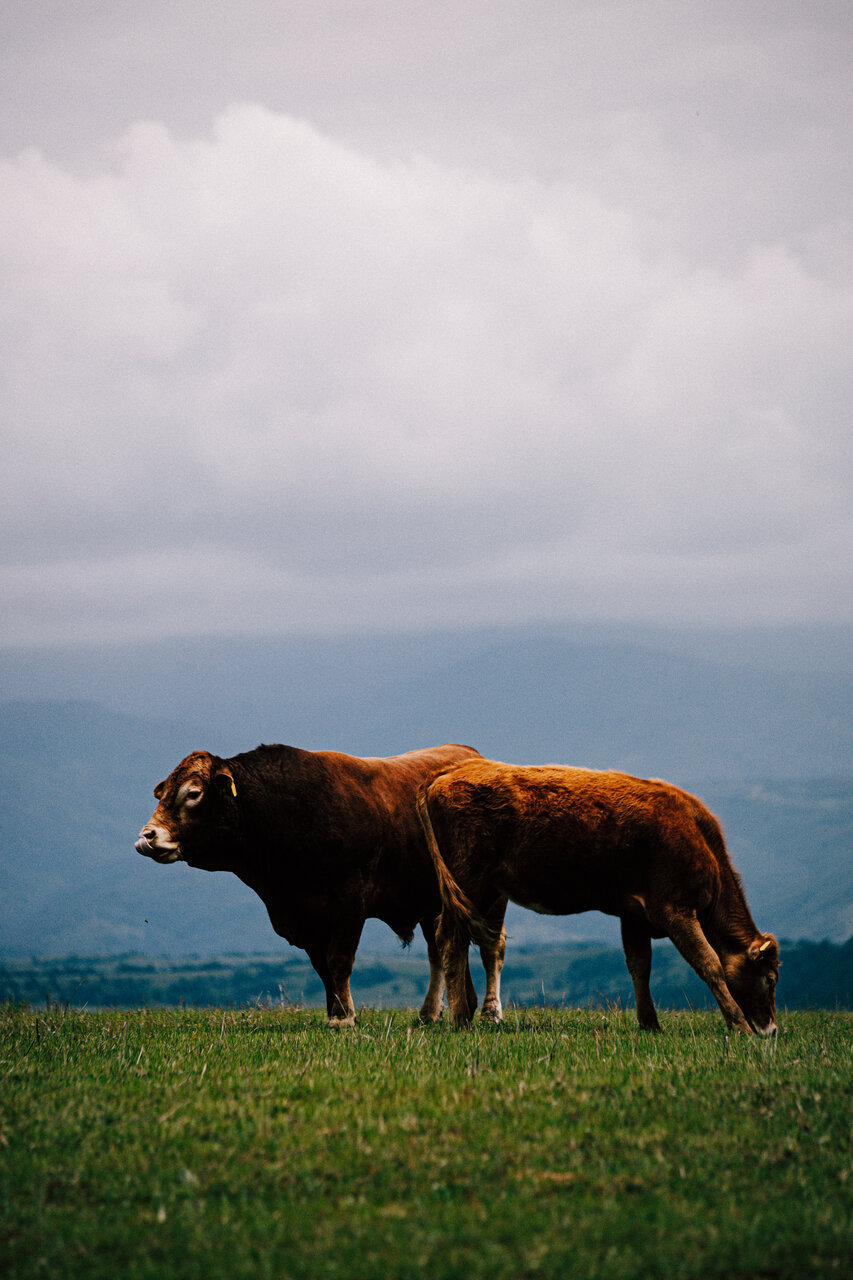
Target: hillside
[[75, 787]]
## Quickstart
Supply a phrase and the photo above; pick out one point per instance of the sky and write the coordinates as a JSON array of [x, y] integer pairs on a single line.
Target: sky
[[348, 316]]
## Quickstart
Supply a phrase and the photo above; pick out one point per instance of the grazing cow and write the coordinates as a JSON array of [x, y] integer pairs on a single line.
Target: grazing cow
[[325, 840], [561, 840]]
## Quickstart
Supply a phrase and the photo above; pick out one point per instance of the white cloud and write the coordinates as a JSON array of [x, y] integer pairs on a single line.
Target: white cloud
[[263, 377]]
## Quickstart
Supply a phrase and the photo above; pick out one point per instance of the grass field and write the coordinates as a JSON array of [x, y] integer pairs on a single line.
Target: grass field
[[255, 1143]]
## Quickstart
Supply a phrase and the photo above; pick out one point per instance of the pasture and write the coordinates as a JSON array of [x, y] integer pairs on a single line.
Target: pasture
[[255, 1143]]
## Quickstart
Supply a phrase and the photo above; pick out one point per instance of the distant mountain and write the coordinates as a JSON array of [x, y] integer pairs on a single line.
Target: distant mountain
[[75, 788], [689, 706], [609, 706]]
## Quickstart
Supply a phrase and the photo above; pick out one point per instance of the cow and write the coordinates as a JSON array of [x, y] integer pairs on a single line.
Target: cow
[[325, 840], [561, 840]]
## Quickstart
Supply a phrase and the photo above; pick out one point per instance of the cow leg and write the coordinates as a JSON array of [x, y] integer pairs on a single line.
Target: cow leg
[[470, 989], [637, 945], [453, 939], [431, 1007], [318, 960], [492, 955], [686, 933], [339, 1002], [334, 963]]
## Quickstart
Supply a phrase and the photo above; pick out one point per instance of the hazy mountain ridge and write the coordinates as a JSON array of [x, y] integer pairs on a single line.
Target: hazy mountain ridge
[[77, 778], [701, 704]]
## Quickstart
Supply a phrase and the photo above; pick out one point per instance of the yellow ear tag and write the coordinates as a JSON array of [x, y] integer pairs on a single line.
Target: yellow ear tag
[[233, 789]]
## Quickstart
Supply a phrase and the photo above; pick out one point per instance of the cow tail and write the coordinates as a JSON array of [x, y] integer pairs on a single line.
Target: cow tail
[[454, 899]]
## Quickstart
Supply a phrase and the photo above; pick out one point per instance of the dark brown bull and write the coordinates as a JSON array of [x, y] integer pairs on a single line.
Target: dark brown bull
[[562, 840], [326, 841]]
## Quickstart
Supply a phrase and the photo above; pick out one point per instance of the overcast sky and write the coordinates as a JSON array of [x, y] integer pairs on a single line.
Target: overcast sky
[[352, 315]]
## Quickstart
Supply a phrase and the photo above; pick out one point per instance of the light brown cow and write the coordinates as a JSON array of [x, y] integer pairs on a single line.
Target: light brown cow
[[562, 840]]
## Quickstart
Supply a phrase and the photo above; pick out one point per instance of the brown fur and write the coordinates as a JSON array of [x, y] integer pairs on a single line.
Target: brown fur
[[563, 840], [326, 840]]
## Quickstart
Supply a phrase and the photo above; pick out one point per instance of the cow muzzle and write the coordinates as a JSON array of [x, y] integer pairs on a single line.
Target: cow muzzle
[[153, 843]]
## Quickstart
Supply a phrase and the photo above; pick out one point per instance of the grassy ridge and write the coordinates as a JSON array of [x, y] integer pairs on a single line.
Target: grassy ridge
[[254, 1143]]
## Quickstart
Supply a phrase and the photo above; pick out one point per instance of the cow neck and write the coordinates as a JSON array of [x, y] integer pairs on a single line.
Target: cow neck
[[730, 926], [255, 764], [256, 772], [295, 775]]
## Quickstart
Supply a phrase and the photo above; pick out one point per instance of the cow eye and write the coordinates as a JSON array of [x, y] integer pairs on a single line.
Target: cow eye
[[193, 795]]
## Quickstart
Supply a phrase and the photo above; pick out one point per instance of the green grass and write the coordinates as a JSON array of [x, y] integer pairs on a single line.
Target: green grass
[[255, 1143]]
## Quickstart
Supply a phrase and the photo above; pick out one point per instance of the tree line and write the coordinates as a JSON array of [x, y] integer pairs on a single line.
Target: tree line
[[816, 975]]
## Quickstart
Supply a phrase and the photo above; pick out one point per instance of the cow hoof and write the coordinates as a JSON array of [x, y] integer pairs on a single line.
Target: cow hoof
[[427, 1018], [338, 1024], [492, 1012]]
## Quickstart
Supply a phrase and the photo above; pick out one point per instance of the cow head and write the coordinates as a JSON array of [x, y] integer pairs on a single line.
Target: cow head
[[194, 812], [751, 976]]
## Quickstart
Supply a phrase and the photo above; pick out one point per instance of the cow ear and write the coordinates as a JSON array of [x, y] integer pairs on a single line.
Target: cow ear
[[761, 946], [158, 790], [224, 778]]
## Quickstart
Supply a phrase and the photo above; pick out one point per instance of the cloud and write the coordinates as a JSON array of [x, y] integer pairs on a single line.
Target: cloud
[[264, 379]]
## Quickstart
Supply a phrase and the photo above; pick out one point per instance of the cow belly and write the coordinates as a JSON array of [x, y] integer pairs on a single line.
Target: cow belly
[[562, 887], [557, 904]]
